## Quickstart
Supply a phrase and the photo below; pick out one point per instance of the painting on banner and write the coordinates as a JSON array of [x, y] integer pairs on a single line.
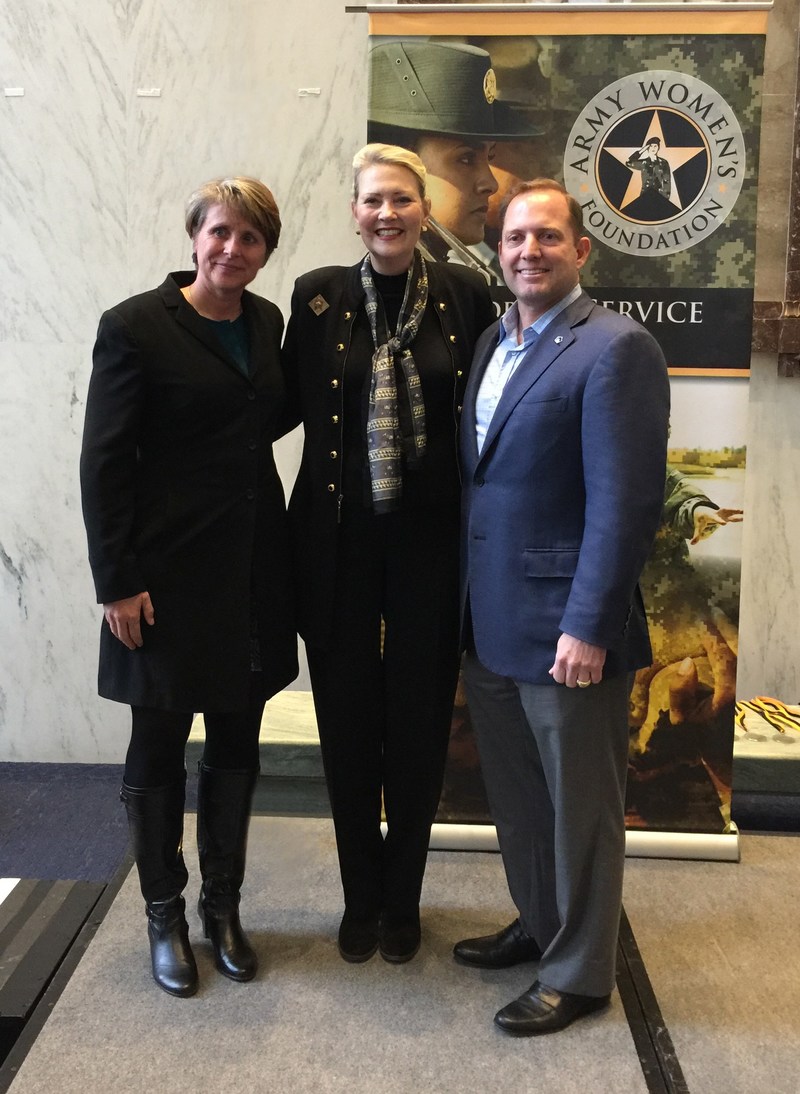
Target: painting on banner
[[682, 709], [656, 135]]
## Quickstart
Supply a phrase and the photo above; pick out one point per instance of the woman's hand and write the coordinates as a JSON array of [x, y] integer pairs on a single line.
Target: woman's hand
[[124, 617]]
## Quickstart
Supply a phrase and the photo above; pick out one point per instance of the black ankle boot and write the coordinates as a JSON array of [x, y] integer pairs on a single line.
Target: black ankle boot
[[155, 820], [223, 816], [358, 937], [174, 967], [399, 936]]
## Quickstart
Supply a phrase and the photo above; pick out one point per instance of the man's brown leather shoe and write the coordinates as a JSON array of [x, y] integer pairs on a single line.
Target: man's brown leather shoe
[[508, 947], [545, 1010]]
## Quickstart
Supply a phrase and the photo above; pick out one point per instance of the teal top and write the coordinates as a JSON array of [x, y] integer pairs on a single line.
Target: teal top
[[232, 336]]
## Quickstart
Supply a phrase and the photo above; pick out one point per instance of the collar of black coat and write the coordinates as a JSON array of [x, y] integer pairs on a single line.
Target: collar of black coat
[[348, 280], [170, 289], [185, 314]]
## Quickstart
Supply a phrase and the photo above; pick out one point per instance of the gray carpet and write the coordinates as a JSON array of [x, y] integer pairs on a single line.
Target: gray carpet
[[311, 1022], [719, 941], [721, 944]]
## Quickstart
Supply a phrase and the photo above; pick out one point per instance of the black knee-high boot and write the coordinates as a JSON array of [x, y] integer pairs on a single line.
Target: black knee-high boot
[[223, 816], [155, 819]]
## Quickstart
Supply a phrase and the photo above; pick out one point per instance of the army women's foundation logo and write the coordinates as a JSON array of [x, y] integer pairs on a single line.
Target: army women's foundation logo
[[657, 161]]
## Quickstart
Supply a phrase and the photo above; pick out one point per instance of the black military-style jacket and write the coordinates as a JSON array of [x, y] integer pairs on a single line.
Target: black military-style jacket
[[327, 331]]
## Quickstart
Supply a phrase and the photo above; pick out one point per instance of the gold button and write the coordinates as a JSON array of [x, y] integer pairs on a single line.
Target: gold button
[[340, 346], [348, 314], [334, 454], [443, 307], [460, 372], [335, 419], [452, 338], [331, 487], [334, 383]]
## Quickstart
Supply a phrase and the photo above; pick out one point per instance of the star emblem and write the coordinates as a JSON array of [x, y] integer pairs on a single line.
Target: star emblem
[[675, 155]]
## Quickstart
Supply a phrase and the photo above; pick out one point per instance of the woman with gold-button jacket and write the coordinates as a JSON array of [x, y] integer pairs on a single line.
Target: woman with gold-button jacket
[[376, 359]]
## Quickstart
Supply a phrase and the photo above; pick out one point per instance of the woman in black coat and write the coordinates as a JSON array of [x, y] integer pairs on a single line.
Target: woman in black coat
[[188, 545], [375, 521]]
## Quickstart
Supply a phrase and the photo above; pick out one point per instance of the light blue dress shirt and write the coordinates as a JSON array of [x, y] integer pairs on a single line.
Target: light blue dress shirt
[[506, 359]]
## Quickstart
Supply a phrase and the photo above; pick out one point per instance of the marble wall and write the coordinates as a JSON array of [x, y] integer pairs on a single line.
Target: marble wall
[[769, 639], [769, 636], [94, 178]]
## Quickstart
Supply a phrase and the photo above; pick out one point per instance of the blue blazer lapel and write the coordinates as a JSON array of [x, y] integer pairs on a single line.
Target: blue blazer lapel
[[548, 347]]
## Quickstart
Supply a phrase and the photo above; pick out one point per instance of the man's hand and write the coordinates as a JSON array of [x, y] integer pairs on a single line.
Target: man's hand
[[124, 617], [708, 520], [577, 663], [691, 704]]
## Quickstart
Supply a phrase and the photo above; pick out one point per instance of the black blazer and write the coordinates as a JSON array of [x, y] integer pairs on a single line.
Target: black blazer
[[326, 331], [181, 498]]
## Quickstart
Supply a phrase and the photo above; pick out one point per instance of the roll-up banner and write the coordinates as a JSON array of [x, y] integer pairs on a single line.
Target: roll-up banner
[[650, 117]]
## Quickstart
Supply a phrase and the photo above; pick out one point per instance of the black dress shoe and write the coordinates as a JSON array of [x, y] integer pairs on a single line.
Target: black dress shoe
[[545, 1010], [399, 937], [358, 937], [508, 947]]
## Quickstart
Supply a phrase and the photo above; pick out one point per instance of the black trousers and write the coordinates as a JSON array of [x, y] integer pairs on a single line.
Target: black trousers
[[384, 708]]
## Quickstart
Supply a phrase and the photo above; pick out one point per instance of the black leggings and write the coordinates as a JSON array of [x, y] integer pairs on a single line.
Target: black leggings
[[158, 740]]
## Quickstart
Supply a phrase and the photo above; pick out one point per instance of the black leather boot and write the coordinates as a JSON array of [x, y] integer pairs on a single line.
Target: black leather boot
[[155, 820], [223, 816]]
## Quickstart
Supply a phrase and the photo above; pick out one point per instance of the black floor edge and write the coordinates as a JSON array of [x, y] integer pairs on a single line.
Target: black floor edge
[[657, 1055], [33, 1027]]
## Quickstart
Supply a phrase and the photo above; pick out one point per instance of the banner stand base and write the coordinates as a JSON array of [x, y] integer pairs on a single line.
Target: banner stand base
[[722, 847]]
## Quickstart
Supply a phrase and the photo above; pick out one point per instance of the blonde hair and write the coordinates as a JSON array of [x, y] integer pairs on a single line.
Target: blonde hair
[[371, 155], [249, 197]]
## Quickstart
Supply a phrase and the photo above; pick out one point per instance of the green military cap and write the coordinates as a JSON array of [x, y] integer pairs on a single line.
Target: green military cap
[[440, 87]]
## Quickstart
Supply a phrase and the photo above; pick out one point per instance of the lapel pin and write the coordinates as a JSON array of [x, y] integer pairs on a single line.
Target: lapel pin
[[319, 304], [559, 339]]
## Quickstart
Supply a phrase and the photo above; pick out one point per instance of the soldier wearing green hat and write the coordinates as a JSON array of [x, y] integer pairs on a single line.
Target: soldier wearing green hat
[[440, 99]]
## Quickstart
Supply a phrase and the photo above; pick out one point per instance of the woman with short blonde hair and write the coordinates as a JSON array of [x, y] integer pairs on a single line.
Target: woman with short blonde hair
[[377, 357]]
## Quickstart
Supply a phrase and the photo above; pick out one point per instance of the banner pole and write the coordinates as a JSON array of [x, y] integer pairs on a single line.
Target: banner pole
[[638, 842]]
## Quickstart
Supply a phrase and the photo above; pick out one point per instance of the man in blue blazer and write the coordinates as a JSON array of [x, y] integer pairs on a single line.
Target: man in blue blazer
[[564, 435]]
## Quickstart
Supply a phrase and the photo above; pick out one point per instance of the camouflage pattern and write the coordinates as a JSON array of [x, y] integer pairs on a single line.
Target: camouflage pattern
[[563, 74], [578, 68]]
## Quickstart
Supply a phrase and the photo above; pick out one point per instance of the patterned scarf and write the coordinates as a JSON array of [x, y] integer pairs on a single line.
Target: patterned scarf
[[385, 446]]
